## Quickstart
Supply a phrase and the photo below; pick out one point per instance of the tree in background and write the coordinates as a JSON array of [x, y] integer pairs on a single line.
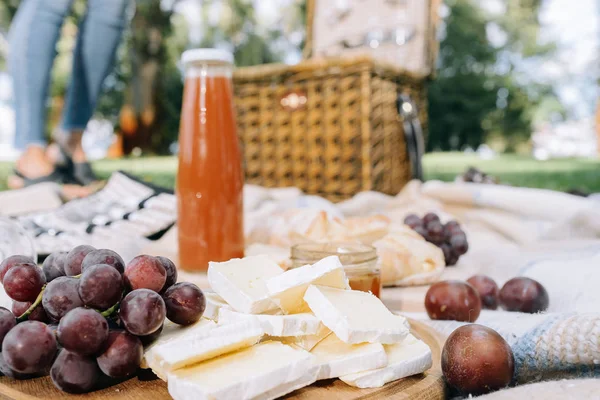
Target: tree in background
[[480, 93]]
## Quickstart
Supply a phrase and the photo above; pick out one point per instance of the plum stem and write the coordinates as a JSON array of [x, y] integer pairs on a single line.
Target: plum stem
[[38, 300]]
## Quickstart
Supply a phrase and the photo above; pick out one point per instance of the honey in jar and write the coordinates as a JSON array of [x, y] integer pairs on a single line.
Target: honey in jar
[[359, 262]]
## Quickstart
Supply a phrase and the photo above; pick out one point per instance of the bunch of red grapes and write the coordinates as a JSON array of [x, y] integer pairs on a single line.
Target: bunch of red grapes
[[449, 237], [85, 316]]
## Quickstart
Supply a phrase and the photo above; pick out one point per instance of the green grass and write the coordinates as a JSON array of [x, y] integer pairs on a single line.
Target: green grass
[[559, 174], [564, 174]]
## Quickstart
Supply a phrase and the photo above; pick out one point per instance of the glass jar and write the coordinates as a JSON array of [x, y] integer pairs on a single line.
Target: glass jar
[[209, 179], [359, 261]]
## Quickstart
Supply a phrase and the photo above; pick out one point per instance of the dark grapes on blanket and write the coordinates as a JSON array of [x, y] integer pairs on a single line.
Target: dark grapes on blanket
[[67, 317], [449, 237]]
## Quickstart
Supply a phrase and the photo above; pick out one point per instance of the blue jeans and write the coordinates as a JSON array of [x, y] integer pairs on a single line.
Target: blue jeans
[[33, 36]]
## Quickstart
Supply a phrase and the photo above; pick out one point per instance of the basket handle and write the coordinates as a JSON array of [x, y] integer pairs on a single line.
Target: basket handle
[[413, 134]]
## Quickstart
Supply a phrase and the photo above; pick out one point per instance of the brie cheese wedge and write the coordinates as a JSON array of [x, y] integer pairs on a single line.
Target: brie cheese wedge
[[172, 331], [277, 325], [336, 358], [288, 288], [410, 357], [241, 282], [203, 345], [214, 303], [307, 342], [355, 316], [265, 371]]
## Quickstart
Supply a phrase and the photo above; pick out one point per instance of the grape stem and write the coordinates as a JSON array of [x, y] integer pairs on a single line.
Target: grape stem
[[107, 313], [38, 300]]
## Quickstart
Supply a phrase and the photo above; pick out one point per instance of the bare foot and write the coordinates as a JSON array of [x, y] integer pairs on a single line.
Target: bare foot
[[32, 164]]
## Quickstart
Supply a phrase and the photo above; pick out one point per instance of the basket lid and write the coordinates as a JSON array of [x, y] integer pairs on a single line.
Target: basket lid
[[216, 56]]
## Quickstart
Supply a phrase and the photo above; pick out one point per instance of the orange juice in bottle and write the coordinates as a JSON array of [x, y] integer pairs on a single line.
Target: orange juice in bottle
[[209, 179]]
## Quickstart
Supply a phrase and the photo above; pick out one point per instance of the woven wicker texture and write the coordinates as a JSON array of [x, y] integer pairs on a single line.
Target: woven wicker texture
[[344, 137]]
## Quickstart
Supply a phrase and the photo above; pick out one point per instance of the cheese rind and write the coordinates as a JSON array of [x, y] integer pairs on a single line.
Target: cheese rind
[[288, 288], [203, 345], [336, 358], [264, 371], [277, 325], [171, 331], [355, 316], [214, 303], [241, 282], [407, 358]]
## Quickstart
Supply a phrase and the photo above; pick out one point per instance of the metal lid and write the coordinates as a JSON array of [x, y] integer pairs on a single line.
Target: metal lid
[[217, 56]]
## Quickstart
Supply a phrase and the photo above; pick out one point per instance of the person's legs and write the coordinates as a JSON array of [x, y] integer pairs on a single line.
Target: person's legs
[[99, 35], [32, 38]]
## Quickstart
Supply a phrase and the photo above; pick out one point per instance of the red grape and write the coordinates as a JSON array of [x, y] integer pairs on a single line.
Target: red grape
[[171, 272], [103, 256], [7, 371], [185, 303], [413, 221], [73, 373], [421, 231], [11, 261], [83, 331], [54, 266], [435, 232], [75, 258], [29, 347], [429, 217], [145, 272], [122, 356], [100, 286], [142, 312], [61, 296], [452, 227], [7, 322], [38, 314], [459, 243], [23, 282], [151, 338]]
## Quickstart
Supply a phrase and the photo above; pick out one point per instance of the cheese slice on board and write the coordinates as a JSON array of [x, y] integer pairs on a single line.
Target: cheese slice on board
[[265, 371], [410, 357], [214, 303], [308, 342], [355, 316], [241, 282], [203, 345], [336, 358], [288, 289], [277, 325], [173, 331]]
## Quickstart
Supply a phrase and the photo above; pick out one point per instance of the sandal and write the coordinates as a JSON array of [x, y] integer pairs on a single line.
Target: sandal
[[59, 176], [81, 172]]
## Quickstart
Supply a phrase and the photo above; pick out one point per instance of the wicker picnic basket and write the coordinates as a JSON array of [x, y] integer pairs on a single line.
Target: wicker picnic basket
[[331, 126]]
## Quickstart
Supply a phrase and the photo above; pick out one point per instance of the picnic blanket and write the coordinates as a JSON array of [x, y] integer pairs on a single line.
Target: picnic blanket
[[549, 236]]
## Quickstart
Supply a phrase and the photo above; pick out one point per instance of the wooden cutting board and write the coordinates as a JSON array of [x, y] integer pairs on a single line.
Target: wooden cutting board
[[427, 386]]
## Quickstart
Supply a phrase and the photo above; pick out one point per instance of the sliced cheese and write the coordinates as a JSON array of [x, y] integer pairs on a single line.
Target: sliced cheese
[[265, 371], [277, 325], [288, 289], [307, 342], [203, 345], [336, 358], [214, 303], [355, 316], [241, 282], [407, 358], [172, 331]]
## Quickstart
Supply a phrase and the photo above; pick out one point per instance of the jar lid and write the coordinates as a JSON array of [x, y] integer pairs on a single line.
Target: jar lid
[[206, 55], [348, 252]]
